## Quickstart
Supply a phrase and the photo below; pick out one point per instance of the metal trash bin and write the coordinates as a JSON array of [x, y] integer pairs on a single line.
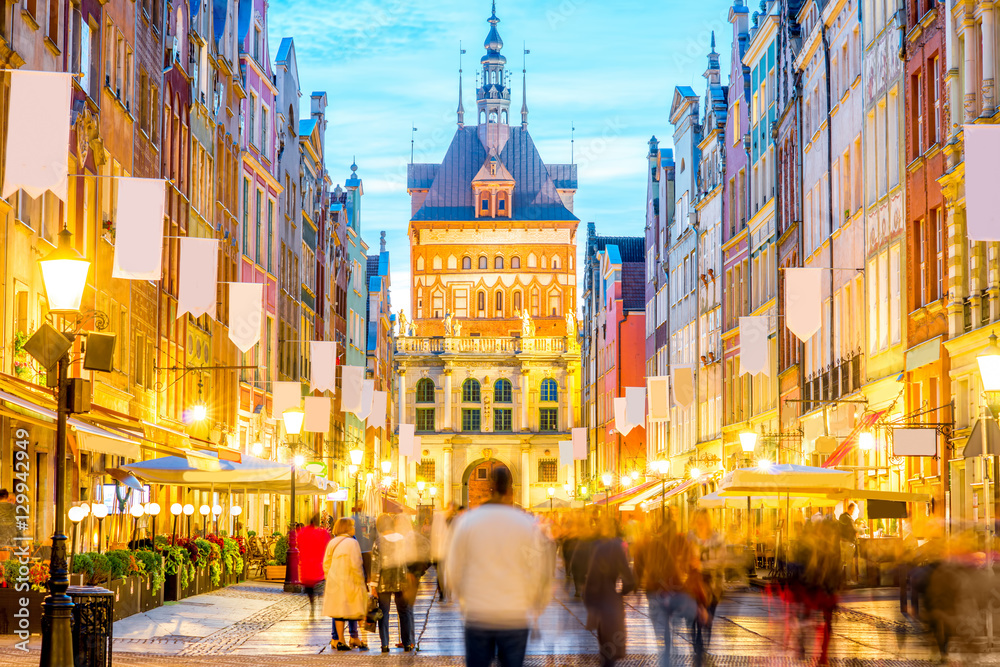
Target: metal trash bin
[[93, 617]]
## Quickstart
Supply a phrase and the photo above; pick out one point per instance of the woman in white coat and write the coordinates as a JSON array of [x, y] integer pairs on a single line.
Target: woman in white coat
[[345, 597]]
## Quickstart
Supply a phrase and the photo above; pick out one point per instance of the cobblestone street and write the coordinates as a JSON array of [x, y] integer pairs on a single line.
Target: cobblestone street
[[255, 623]]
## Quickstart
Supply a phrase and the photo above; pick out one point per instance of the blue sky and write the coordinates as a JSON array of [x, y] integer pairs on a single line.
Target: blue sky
[[607, 68]]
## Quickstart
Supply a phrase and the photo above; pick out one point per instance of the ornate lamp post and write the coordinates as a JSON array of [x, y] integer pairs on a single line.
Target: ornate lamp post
[[64, 276], [293, 418], [662, 468], [606, 480], [234, 512], [552, 492], [433, 492], [99, 511], [748, 443], [153, 510], [188, 511], [357, 456]]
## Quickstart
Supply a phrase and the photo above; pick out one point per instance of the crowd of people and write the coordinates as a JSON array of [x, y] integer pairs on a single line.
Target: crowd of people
[[499, 564]]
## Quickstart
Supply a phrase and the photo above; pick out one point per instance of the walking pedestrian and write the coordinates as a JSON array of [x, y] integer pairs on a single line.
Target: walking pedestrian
[[312, 541], [440, 535], [344, 598], [605, 607], [710, 548], [389, 579], [499, 569]]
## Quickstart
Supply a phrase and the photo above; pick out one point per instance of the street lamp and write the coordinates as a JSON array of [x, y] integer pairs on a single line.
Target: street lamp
[[662, 467], [606, 479], [552, 492], [748, 441], [76, 514], [257, 448], [357, 456], [234, 512], [216, 511], [188, 511], [293, 418], [137, 511], [99, 511], [386, 467], [64, 277], [866, 441], [153, 510], [204, 510], [176, 509], [433, 492]]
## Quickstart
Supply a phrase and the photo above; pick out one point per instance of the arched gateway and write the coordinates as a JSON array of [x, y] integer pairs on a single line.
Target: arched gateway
[[476, 481]]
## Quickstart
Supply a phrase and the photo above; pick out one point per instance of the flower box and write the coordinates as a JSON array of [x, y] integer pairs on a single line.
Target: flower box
[[127, 595], [147, 598], [274, 572], [10, 604]]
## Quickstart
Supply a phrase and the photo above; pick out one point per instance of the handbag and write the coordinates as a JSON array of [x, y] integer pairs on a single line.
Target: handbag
[[373, 615]]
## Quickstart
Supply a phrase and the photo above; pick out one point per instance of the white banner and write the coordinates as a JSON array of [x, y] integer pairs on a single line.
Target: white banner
[[199, 276], [351, 381], [580, 443], [37, 134], [982, 196], [246, 306], [406, 436], [658, 393], [377, 418], [139, 230], [566, 452], [285, 395], [753, 345], [367, 396], [318, 409], [324, 365], [683, 385], [635, 406], [621, 416], [804, 302]]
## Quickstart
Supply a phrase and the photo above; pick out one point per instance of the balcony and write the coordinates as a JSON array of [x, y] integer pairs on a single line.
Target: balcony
[[505, 345], [841, 379]]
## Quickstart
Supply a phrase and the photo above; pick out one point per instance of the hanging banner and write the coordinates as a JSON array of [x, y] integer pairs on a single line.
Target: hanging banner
[[377, 417], [324, 365], [197, 293], [622, 424], [580, 443], [246, 306], [753, 345], [982, 196], [37, 134], [658, 392], [683, 385], [566, 452], [367, 396], [139, 229], [635, 406], [804, 302], [351, 381], [318, 409], [406, 435], [285, 395]]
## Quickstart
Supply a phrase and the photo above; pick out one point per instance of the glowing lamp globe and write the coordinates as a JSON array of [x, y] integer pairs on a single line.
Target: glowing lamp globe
[[99, 511], [551, 491], [695, 473], [299, 460], [204, 510], [748, 441], [257, 448], [386, 467], [76, 514], [236, 510], [64, 275], [188, 509], [434, 491], [86, 508], [136, 511], [293, 418], [421, 485], [198, 412], [606, 479], [176, 509], [357, 456], [153, 509], [866, 441], [661, 466]]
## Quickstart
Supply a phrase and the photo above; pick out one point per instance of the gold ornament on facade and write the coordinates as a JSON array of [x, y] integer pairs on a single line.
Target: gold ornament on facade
[[487, 453]]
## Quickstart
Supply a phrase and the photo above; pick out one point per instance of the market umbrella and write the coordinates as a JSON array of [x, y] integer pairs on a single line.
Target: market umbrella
[[786, 479], [716, 501], [557, 504]]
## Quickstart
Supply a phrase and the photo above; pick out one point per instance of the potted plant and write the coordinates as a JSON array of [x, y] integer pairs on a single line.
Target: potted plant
[[124, 582], [16, 584], [151, 590], [275, 570], [178, 573]]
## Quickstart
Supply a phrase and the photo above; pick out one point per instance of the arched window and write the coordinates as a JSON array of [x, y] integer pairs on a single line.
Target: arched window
[[484, 263], [515, 262], [498, 263], [499, 302], [550, 390], [471, 391], [517, 301], [503, 392], [555, 262], [503, 117], [482, 117], [466, 263], [481, 301], [425, 391], [493, 116]]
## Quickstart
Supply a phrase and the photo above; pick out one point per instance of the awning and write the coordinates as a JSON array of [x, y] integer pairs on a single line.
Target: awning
[[624, 496], [974, 445], [676, 491], [785, 478], [652, 492], [553, 504], [715, 501], [851, 441], [88, 437]]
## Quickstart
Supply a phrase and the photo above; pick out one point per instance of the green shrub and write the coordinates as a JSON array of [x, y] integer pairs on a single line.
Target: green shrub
[[177, 560], [152, 565], [281, 550], [121, 563], [83, 564], [11, 571]]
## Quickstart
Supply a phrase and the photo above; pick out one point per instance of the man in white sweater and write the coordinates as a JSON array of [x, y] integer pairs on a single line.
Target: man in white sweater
[[499, 569]]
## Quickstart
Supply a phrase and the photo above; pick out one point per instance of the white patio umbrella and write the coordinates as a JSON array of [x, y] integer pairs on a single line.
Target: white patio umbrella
[[716, 501], [786, 479]]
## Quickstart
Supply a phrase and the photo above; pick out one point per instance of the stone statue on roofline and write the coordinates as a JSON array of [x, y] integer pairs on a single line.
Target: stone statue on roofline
[[527, 326], [456, 328], [404, 325], [570, 324], [447, 324]]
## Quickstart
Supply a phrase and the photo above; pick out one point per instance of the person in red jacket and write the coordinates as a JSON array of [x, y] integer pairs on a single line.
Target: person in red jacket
[[312, 542]]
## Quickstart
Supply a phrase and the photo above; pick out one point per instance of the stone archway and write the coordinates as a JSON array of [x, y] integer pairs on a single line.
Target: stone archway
[[476, 481]]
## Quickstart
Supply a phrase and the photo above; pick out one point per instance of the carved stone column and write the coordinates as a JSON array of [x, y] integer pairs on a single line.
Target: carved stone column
[[448, 482], [969, 36], [989, 38], [446, 422], [401, 388], [526, 478], [524, 425]]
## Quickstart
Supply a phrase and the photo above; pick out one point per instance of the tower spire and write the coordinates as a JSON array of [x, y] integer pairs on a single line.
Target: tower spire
[[524, 90], [493, 93], [461, 109]]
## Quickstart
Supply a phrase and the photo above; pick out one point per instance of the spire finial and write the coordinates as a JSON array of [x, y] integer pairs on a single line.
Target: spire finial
[[524, 88], [713, 40], [461, 108], [354, 165]]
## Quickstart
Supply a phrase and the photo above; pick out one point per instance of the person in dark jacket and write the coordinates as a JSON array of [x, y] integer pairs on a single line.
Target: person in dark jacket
[[605, 608]]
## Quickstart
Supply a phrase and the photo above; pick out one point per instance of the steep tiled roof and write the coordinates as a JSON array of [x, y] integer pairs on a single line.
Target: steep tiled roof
[[421, 176], [563, 175], [631, 248], [450, 194], [633, 286]]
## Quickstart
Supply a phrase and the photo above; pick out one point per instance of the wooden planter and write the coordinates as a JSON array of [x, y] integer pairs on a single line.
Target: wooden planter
[[274, 572], [171, 588], [147, 598], [127, 594], [10, 604]]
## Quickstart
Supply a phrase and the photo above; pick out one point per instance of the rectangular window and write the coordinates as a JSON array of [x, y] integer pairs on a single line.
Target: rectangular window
[[503, 421], [502, 205], [548, 419], [548, 471], [246, 216], [935, 98], [425, 420], [873, 311], [920, 245], [471, 419], [252, 103], [53, 32], [895, 328], [870, 168], [259, 224], [264, 148], [140, 342], [938, 217], [917, 85], [486, 204], [425, 471], [270, 232], [883, 302], [893, 140]]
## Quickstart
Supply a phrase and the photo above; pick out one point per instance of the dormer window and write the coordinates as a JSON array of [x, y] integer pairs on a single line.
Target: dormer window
[[485, 205], [502, 205]]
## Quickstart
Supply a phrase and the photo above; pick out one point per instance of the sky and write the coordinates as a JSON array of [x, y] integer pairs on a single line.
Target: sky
[[606, 68]]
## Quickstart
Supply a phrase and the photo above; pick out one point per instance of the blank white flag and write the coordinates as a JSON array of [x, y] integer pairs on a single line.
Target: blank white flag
[[580, 443], [982, 196], [377, 418], [621, 416], [285, 395], [566, 452], [658, 392], [635, 406], [246, 305], [754, 354], [324, 365], [406, 435], [367, 395], [318, 409], [351, 380], [37, 134], [139, 230], [683, 385], [804, 302], [197, 292]]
